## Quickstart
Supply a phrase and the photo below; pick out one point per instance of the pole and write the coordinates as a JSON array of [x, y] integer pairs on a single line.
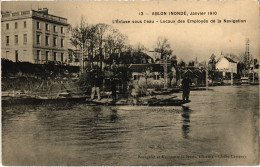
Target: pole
[[253, 71], [207, 76], [82, 59], [165, 72], [231, 76]]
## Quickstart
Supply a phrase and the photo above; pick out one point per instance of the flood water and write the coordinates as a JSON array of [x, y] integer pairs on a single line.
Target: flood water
[[218, 127]]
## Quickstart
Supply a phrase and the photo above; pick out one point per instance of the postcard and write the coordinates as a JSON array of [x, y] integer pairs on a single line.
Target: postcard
[[128, 83]]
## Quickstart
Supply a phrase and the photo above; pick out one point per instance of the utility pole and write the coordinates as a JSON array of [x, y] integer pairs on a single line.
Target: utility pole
[[165, 72], [82, 59], [247, 57], [253, 71], [231, 76], [165, 64], [207, 77]]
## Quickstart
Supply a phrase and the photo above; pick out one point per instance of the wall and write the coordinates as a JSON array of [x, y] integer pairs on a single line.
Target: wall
[[42, 47], [24, 49], [28, 52], [225, 65]]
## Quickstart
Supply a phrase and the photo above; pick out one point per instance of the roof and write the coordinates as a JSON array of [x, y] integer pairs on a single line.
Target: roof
[[39, 15], [194, 73], [143, 67], [139, 67], [130, 58], [230, 60]]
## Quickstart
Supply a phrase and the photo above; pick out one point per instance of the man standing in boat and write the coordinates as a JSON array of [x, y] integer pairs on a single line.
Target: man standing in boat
[[96, 84], [186, 83], [114, 69]]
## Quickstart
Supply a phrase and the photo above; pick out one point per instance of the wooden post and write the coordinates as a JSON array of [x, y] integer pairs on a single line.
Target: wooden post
[[207, 73], [253, 72], [231, 76], [165, 72], [82, 59]]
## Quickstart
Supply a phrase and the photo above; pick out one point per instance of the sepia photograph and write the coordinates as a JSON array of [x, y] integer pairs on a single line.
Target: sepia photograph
[[128, 83]]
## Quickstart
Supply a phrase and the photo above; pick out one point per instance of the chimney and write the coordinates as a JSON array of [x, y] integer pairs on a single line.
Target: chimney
[[43, 10]]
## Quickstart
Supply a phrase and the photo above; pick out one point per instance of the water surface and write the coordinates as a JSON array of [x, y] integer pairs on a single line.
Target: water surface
[[218, 127]]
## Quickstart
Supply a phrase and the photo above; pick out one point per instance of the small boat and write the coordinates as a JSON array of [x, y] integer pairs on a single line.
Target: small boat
[[145, 108], [148, 102]]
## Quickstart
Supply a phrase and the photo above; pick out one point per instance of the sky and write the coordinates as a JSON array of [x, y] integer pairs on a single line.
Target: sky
[[188, 40]]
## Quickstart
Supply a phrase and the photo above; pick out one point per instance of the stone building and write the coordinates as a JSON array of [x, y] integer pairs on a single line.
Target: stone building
[[34, 36]]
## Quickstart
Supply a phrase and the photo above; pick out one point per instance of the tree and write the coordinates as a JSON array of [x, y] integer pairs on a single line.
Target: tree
[[212, 62], [182, 63], [109, 40], [115, 41], [79, 37], [139, 48], [191, 64], [163, 47], [212, 59], [174, 60]]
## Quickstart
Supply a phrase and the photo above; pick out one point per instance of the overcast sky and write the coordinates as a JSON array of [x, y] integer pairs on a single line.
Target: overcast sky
[[187, 40]]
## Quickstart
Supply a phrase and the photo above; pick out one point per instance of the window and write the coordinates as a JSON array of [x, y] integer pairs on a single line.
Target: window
[[61, 57], [47, 40], [24, 24], [54, 28], [54, 56], [156, 77], [16, 39], [38, 25], [62, 43], [38, 39], [47, 27], [7, 26], [7, 41], [54, 41], [24, 38], [15, 25], [47, 56], [38, 56], [61, 30]]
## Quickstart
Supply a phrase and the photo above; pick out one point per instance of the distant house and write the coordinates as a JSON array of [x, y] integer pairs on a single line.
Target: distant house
[[151, 75], [127, 58], [226, 65], [198, 77]]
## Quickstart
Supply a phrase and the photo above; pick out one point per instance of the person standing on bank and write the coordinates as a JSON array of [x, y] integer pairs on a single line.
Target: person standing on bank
[[113, 81], [96, 84], [186, 83]]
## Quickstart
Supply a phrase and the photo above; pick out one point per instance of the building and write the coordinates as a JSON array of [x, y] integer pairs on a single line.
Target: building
[[34, 36], [152, 75], [226, 65]]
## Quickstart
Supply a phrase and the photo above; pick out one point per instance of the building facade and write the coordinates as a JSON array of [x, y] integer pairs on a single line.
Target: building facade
[[34, 36], [152, 75], [226, 64]]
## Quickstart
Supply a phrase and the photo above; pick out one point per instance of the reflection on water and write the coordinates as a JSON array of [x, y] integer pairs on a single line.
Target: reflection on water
[[219, 124], [186, 122]]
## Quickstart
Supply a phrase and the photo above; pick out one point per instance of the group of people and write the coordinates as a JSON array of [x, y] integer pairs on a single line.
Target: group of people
[[97, 80]]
